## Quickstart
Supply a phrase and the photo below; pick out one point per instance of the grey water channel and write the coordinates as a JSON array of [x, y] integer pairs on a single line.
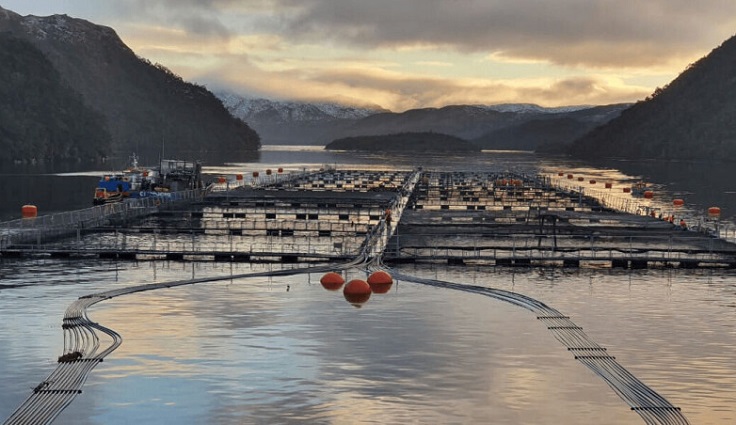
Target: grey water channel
[[286, 350]]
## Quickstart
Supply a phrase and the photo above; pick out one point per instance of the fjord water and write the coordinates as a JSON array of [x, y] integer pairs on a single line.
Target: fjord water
[[285, 350]]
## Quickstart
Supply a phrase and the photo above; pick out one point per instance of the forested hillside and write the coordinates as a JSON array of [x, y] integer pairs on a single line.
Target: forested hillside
[[691, 118], [41, 118]]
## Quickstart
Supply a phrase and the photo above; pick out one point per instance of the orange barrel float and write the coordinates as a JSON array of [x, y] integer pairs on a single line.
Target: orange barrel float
[[357, 292], [648, 194], [581, 179], [332, 281], [714, 211], [268, 172], [678, 202], [221, 180], [280, 170], [255, 174], [380, 282], [627, 190], [569, 176], [239, 177], [592, 182], [29, 211], [609, 185], [560, 174]]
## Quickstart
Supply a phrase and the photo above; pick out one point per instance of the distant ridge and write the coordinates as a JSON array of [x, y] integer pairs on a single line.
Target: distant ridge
[[694, 117], [502, 126], [404, 142], [143, 105]]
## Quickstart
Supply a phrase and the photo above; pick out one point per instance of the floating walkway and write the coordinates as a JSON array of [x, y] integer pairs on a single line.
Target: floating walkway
[[486, 218]]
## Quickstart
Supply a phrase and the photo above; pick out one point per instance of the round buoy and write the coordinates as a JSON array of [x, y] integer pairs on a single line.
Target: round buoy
[[255, 174], [627, 190], [581, 179], [29, 211], [569, 176], [380, 282], [357, 292], [648, 194], [560, 174], [332, 281], [280, 170], [238, 177], [609, 185], [221, 180], [268, 171], [592, 182], [678, 202], [714, 211]]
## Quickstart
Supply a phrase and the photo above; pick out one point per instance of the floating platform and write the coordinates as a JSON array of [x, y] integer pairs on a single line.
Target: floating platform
[[488, 218]]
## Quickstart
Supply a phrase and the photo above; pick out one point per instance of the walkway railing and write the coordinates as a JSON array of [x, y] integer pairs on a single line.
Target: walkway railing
[[38, 229]]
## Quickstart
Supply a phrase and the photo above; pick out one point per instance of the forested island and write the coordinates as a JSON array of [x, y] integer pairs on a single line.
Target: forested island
[[404, 142]]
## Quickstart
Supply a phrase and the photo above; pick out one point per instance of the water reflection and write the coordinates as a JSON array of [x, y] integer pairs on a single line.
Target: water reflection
[[248, 351]]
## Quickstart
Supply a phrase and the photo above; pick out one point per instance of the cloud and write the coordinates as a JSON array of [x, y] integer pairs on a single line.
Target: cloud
[[570, 32], [415, 53], [398, 91]]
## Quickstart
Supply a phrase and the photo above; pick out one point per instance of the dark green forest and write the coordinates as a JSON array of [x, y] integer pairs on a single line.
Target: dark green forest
[[691, 118], [41, 118]]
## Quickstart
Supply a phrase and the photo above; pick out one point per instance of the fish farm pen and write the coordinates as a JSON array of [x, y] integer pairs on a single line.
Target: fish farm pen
[[491, 218], [358, 219]]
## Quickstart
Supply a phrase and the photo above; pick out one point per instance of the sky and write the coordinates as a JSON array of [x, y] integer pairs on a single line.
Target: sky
[[404, 54]]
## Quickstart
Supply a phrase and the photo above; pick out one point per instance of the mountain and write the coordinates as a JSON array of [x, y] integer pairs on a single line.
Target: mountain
[[547, 131], [504, 126], [144, 106], [41, 119], [691, 118], [404, 142], [292, 122]]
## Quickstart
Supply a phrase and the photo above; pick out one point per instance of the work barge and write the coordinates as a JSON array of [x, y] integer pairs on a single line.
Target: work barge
[[453, 217]]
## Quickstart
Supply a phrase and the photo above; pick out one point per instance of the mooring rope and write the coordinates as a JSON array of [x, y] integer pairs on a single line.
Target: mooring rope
[[82, 344], [647, 403]]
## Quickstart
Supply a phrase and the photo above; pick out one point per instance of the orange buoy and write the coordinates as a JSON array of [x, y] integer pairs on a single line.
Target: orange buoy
[[380, 282], [238, 177], [332, 281], [29, 211], [357, 292], [221, 180], [581, 179], [280, 170], [268, 171], [592, 182], [145, 173], [648, 194], [255, 174], [569, 176], [714, 211], [609, 185], [627, 190], [560, 174], [678, 202]]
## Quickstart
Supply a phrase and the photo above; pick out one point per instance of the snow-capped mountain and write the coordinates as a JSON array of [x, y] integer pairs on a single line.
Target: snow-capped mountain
[[284, 122], [258, 109]]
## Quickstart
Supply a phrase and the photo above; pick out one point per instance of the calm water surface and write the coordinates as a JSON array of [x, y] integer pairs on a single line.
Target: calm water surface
[[251, 351]]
